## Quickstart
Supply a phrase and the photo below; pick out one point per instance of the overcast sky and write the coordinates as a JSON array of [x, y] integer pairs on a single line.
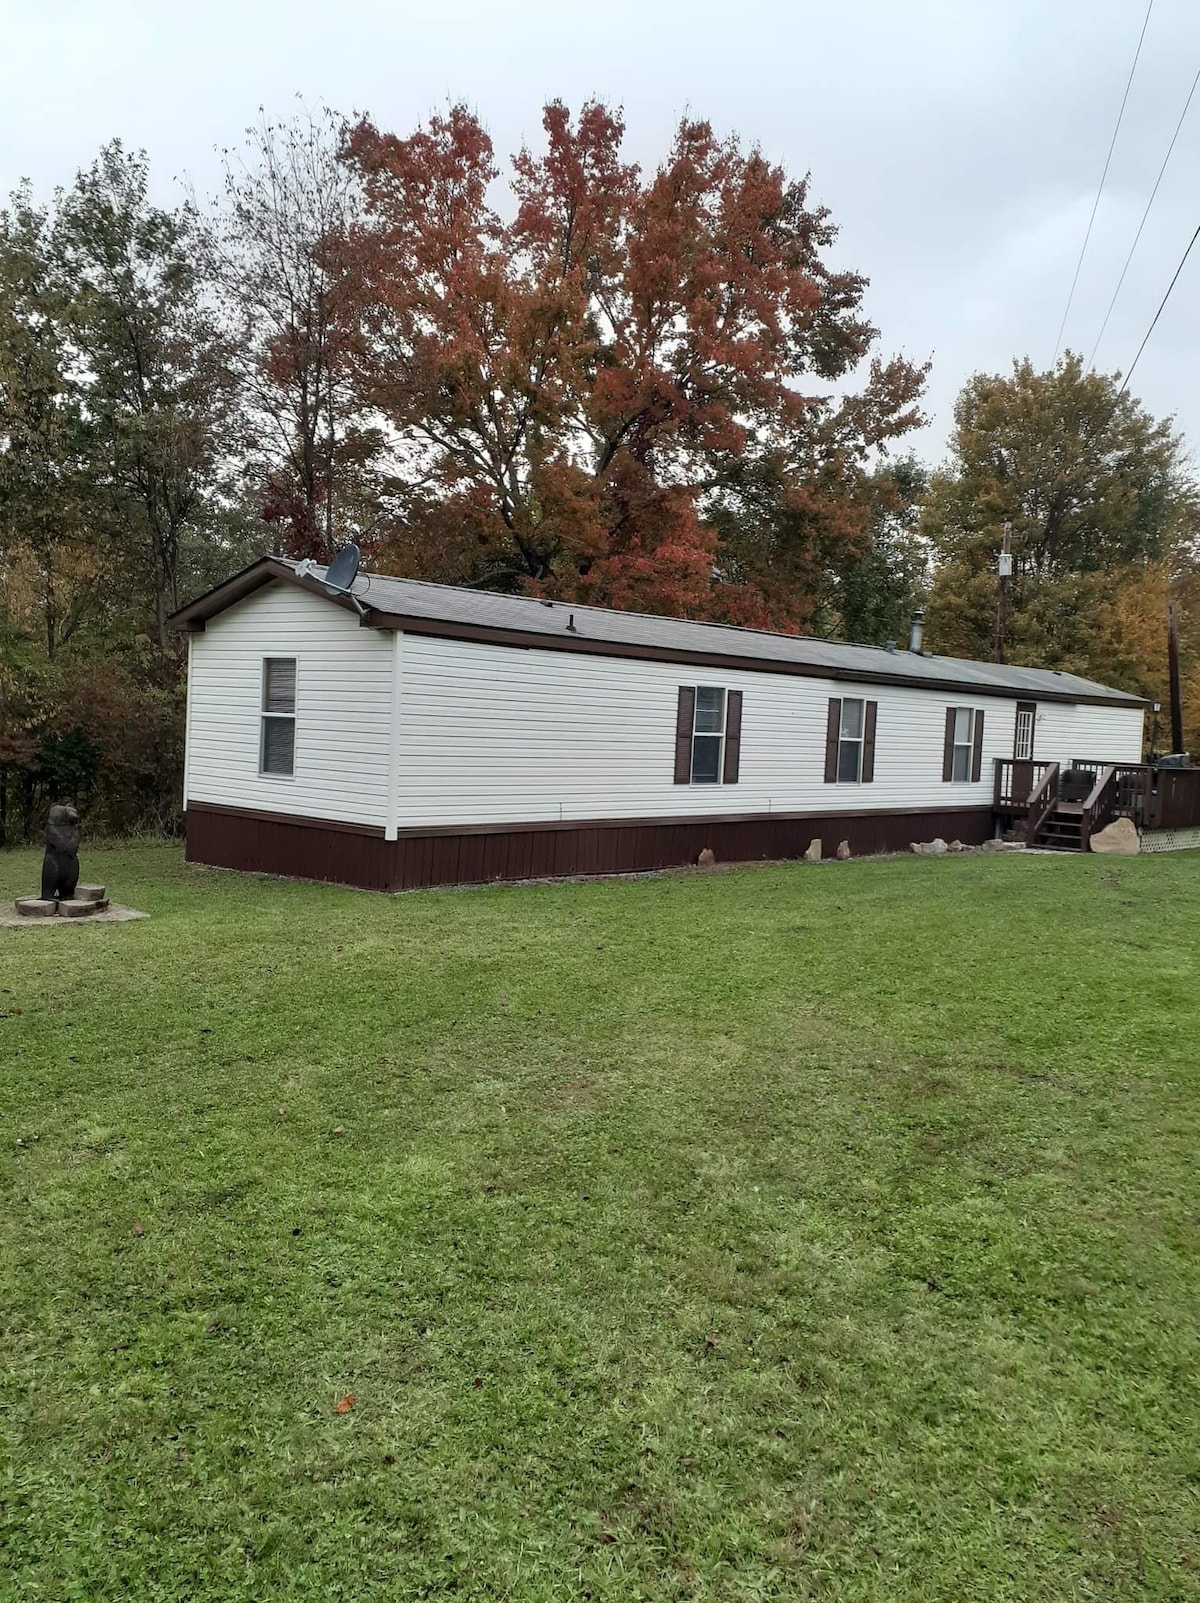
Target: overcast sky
[[958, 143]]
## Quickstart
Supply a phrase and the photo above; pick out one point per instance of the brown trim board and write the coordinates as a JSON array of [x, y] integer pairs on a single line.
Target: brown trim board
[[458, 855], [301, 820]]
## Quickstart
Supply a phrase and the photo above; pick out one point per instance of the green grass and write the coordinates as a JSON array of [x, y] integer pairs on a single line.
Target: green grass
[[776, 1234]]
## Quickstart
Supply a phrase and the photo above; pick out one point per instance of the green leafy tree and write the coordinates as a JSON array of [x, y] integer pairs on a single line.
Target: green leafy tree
[[874, 589], [1097, 493], [153, 365], [114, 500], [45, 473]]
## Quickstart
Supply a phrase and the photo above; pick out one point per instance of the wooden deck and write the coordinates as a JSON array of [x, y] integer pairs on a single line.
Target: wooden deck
[[1063, 805]]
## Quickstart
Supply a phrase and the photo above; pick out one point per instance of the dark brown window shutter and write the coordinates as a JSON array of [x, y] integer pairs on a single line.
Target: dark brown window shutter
[[733, 737], [833, 730], [948, 748], [685, 717], [868, 762], [977, 753]]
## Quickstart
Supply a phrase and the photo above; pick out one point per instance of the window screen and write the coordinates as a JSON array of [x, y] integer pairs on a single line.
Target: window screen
[[277, 746], [708, 735]]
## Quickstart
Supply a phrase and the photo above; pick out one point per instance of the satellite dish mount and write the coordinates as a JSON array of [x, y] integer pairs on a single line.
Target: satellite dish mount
[[338, 578]]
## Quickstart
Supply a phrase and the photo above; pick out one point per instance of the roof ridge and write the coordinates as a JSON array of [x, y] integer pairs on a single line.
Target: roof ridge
[[835, 658], [652, 617]]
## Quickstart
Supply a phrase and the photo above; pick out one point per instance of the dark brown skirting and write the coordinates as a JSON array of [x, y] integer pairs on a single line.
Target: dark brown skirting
[[304, 849]]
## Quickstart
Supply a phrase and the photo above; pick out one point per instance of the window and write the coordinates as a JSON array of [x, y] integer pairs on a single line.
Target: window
[[964, 732], [962, 757], [1023, 740], [850, 741], [277, 746], [708, 735]]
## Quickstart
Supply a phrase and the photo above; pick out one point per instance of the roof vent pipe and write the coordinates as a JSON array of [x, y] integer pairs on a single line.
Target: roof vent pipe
[[890, 645], [916, 632]]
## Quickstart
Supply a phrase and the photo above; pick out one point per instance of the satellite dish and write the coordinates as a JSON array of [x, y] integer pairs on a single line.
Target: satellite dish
[[343, 570]]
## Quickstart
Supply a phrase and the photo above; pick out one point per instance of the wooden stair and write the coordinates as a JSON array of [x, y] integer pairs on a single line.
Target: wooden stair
[[1062, 828]]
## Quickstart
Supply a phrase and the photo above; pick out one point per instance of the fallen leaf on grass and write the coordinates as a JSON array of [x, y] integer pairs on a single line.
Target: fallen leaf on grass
[[339, 1129], [139, 1229], [346, 1404]]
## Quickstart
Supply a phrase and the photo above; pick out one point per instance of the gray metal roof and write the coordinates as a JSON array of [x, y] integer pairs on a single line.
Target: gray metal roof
[[432, 608], [485, 609]]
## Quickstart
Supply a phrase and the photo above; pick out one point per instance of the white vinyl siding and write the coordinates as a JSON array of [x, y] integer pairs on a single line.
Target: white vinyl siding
[[496, 735], [343, 687], [1063, 733]]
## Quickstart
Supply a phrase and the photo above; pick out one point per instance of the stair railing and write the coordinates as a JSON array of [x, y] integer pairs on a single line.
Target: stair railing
[[1100, 808], [1042, 800]]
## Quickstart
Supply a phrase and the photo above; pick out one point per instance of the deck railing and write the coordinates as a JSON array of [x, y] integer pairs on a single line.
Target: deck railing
[[1015, 782], [1134, 786], [1155, 798]]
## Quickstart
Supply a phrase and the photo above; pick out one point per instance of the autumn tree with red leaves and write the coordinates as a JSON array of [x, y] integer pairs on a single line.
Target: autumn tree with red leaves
[[622, 393]]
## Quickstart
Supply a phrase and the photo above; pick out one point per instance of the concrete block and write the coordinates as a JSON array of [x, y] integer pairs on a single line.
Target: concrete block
[[35, 907], [90, 893], [78, 909]]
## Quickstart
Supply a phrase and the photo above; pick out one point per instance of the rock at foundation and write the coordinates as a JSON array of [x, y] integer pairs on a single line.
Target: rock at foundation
[[1118, 839], [813, 854]]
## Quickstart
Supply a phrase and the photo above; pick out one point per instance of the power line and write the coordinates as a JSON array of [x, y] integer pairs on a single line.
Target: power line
[[1096, 203], [1158, 314], [1145, 214]]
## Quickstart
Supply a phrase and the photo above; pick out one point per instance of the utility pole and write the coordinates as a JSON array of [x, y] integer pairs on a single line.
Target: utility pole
[[1173, 666], [1004, 567]]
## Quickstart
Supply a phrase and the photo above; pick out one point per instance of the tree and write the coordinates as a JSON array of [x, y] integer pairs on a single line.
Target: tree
[[289, 202], [151, 362], [873, 592], [603, 398], [45, 472], [113, 458], [1103, 514]]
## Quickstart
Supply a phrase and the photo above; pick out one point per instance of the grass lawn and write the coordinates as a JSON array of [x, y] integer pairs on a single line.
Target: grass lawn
[[780, 1234]]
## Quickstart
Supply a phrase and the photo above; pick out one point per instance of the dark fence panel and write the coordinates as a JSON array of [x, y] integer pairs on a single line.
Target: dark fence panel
[[1176, 802]]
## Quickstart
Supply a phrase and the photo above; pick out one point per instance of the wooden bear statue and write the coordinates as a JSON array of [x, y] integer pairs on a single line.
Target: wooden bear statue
[[60, 866]]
